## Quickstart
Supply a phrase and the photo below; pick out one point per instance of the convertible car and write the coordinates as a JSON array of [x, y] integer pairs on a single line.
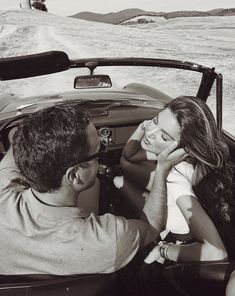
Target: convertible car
[[116, 113]]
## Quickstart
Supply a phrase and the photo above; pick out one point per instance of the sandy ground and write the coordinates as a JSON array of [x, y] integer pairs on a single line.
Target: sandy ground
[[209, 41]]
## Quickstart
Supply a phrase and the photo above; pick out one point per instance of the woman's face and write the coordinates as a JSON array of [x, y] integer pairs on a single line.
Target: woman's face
[[160, 132]]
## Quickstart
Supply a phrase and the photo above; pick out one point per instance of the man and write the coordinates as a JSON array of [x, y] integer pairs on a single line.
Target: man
[[42, 229]]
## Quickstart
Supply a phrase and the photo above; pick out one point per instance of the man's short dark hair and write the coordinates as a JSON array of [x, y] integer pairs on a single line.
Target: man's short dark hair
[[48, 142]]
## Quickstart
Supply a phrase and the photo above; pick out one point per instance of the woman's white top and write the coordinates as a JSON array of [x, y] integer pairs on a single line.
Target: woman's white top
[[179, 183]]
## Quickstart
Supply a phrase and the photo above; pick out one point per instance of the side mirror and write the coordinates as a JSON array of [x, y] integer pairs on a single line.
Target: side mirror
[[92, 81]]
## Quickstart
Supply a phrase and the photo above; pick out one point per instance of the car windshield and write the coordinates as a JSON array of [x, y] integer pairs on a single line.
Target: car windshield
[[173, 82], [170, 81]]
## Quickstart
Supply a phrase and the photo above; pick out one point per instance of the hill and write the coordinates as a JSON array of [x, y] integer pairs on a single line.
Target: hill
[[128, 14], [222, 12], [214, 12], [114, 17]]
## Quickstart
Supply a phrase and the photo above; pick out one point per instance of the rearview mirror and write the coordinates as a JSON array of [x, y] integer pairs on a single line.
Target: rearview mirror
[[92, 81]]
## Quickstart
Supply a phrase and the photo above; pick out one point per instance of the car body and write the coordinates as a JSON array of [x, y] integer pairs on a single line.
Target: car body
[[116, 113]]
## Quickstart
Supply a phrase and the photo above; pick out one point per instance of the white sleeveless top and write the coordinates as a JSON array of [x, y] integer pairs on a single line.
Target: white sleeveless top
[[179, 183]]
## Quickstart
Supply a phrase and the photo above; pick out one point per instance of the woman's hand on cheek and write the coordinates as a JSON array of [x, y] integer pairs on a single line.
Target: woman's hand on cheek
[[144, 124], [151, 155], [170, 156]]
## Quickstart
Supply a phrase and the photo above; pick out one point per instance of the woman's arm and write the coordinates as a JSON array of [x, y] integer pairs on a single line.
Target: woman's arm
[[208, 245], [133, 151], [138, 173]]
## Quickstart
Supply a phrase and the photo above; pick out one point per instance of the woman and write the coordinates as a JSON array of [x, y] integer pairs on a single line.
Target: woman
[[199, 189]]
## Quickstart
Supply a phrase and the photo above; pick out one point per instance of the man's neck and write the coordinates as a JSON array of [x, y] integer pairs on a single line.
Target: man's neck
[[59, 198]]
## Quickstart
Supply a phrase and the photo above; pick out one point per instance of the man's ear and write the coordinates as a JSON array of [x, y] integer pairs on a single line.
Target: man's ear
[[73, 175]]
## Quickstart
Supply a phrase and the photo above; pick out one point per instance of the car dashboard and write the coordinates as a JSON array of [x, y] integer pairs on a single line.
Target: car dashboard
[[116, 127], [114, 122]]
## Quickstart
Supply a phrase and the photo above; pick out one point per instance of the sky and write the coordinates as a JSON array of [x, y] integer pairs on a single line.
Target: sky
[[70, 7]]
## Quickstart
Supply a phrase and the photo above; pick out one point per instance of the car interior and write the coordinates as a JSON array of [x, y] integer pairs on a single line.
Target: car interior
[[114, 129], [115, 123]]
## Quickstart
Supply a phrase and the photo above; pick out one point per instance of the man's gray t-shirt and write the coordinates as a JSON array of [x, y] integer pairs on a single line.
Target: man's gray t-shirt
[[38, 238]]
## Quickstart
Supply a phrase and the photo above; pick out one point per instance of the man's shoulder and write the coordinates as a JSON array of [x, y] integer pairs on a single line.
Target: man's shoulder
[[111, 239], [12, 182], [10, 176], [114, 225], [124, 236], [110, 229]]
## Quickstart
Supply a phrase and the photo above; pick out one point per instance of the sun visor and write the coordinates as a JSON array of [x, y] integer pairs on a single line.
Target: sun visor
[[33, 65]]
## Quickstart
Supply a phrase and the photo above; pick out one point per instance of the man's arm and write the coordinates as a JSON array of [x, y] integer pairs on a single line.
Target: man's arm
[[155, 206], [150, 226], [8, 160], [10, 175]]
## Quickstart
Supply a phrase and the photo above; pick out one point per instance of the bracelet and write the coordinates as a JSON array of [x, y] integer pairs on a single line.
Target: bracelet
[[163, 247]]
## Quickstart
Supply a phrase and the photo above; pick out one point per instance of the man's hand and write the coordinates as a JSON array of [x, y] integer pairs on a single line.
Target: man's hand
[[154, 255], [170, 157]]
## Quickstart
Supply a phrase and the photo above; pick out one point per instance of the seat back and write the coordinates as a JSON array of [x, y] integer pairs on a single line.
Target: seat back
[[38, 285]]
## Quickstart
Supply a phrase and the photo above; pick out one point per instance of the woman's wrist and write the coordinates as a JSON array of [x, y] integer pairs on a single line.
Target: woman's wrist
[[163, 249]]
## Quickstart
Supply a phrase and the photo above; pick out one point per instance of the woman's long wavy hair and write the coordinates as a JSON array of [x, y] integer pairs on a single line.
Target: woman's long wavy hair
[[209, 154]]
